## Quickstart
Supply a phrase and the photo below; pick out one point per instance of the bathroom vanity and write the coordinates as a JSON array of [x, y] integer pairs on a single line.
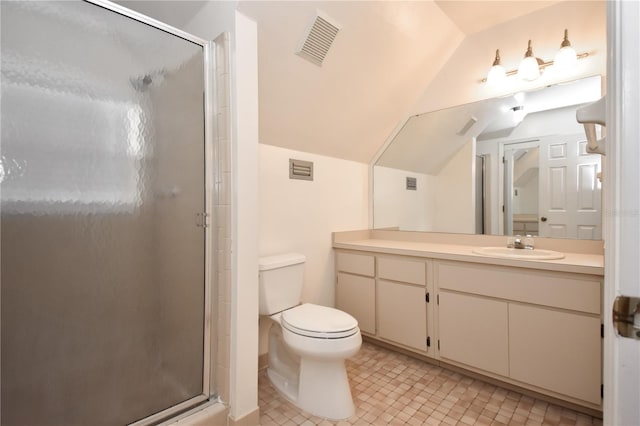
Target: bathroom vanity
[[533, 324]]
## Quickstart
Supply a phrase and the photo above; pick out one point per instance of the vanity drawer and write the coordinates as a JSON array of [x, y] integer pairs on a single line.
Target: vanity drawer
[[404, 270], [360, 264], [565, 291]]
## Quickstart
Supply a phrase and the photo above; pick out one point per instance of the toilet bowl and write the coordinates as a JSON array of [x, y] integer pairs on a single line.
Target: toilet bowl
[[307, 348], [308, 343]]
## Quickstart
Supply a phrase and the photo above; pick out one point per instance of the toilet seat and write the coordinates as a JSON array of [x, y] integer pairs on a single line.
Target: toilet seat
[[319, 322]]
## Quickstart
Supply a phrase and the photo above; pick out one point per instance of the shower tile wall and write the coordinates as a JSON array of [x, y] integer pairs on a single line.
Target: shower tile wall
[[222, 215]]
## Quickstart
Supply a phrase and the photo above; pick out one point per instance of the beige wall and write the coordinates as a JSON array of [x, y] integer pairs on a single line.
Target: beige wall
[[244, 309], [395, 206], [454, 193], [299, 216]]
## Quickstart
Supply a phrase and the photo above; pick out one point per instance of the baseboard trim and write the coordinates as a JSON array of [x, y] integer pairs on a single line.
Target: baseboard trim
[[251, 419], [215, 414]]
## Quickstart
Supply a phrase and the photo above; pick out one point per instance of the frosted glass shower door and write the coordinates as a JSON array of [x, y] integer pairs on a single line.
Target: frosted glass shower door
[[102, 195]]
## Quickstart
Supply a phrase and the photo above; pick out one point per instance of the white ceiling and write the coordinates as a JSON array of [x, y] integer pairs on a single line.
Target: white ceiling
[[472, 16], [383, 57]]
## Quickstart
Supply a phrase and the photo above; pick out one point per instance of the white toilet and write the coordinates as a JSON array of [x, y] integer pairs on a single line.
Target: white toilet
[[307, 343]]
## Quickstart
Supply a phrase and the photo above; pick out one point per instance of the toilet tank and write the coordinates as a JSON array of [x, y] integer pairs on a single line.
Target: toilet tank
[[280, 282]]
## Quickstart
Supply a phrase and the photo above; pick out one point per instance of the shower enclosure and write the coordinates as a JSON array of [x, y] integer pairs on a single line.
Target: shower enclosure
[[104, 241]]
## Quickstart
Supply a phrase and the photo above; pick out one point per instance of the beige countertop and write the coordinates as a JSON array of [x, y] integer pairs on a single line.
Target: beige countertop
[[582, 263]]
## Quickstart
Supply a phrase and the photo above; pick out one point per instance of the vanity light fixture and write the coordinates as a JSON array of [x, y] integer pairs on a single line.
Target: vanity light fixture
[[531, 67]]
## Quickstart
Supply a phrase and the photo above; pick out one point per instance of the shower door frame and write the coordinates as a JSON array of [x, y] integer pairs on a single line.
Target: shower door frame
[[209, 157]]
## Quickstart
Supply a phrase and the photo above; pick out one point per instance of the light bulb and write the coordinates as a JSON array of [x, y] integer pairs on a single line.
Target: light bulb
[[529, 68], [497, 73], [566, 59]]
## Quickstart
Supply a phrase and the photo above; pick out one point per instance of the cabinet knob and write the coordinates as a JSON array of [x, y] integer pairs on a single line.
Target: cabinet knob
[[543, 219]]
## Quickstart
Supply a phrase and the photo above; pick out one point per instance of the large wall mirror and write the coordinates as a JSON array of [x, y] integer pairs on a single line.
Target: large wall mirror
[[511, 165]]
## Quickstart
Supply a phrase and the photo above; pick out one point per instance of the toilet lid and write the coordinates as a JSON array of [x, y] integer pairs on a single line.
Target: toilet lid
[[319, 321]]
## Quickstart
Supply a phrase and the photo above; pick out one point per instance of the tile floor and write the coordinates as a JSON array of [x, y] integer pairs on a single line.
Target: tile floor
[[393, 389]]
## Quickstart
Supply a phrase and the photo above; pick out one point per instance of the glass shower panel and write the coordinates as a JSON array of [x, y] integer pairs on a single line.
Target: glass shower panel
[[102, 258]]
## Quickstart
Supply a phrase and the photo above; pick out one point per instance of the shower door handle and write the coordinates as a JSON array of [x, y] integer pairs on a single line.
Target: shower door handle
[[202, 220]]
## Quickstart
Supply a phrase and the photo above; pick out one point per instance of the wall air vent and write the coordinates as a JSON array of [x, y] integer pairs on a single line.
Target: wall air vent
[[412, 184], [299, 169], [318, 40], [467, 126]]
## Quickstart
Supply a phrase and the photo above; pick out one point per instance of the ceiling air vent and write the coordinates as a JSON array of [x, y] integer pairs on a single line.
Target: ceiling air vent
[[318, 40], [412, 184]]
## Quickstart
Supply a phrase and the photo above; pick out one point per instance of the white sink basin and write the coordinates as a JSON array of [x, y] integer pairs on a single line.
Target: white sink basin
[[511, 253]]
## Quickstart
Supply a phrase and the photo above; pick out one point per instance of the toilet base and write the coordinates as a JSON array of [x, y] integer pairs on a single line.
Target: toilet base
[[323, 389], [287, 387], [318, 385]]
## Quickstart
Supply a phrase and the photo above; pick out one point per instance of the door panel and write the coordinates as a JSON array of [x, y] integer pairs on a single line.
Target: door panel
[[402, 314], [587, 177], [474, 331], [102, 261], [555, 350], [357, 296], [570, 192], [557, 187]]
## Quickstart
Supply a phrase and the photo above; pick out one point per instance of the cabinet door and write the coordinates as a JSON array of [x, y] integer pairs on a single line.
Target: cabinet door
[[474, 331], [357, 296], [402, 314], [555, 350]]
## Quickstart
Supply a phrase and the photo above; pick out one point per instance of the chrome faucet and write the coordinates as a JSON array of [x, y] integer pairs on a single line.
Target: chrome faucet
[[518, 243]]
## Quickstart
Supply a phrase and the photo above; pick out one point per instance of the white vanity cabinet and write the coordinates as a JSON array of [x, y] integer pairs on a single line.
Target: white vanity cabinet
[[536, 328], [388, 295], [531, 324], [355, 288], [402, 301]]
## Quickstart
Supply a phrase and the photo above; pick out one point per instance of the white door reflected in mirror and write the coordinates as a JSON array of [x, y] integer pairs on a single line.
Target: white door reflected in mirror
[[551, 188]]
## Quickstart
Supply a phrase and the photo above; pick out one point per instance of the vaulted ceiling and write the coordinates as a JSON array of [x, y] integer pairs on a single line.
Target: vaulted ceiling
[[472, 16], [345, 108], [384, 56], [388, 57]]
